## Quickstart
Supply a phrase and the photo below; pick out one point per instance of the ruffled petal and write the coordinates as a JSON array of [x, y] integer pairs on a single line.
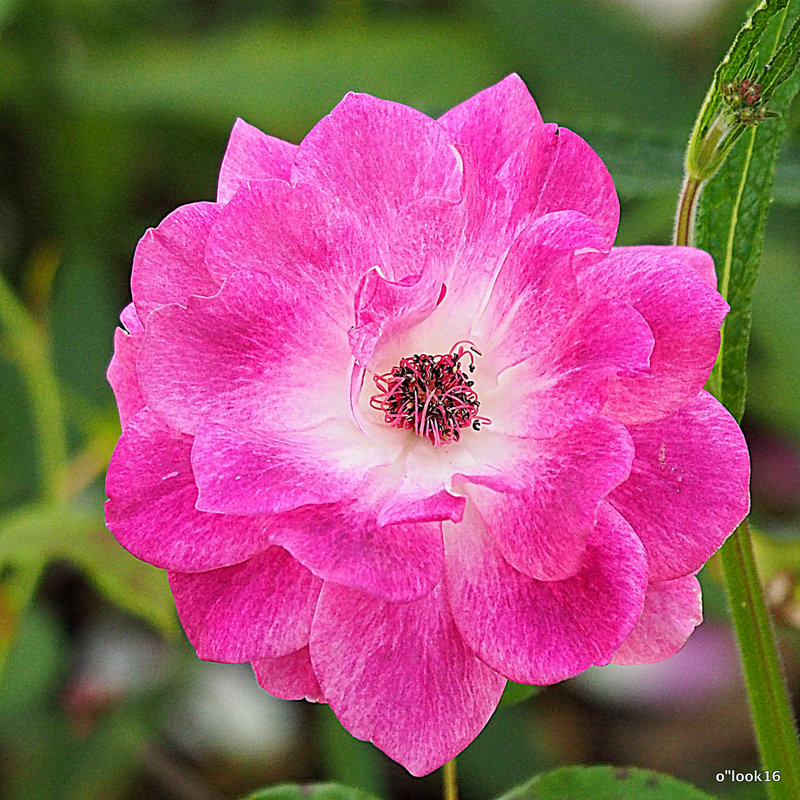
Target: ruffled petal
[[688, 488], [377, 157], [399, 675], [344, 543], [151, 507], [289, 677], [122, 373], [541, 632], [684, 314], [257, 354], [255, 472], [262, 607], [535, 292], [169, 263], [542, 530], [672, 610], [298, 235], [567, 381], [252, 156], [555, 170], [494, 122]]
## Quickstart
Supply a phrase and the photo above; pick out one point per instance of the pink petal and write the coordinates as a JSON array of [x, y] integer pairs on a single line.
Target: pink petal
[[169, 264], [541, 632], [699, 260], [257, 354], [684, 314], [384, 310], [567, 380], [555, 170], [672, 610], [262, 607], [535, 292], [688, 488], [151, 506], [542, 531], [398, 675], [494, 122], [289, 677], [343, 543], [255, 472], [298, 235], [377, 157], [252, 156], [122, 373]]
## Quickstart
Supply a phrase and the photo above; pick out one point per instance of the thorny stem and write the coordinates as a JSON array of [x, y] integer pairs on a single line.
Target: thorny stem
[[770, 709], [449, 782]]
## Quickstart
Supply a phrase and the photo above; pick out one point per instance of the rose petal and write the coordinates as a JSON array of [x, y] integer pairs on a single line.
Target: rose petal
[[151, 506], [255, 472], [252, 156], [298, 235], [289, 677], [344, 543], [542, 531], [398, 675], [169, 264], [555, 170], [684, 314], [246, 355], [377, 157], [262, 607], [541, 632], [122, 373], [494, 122], [688, 488], [672, 610]]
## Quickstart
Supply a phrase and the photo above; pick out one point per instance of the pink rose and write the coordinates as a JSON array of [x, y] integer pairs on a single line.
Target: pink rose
[[401, 423]]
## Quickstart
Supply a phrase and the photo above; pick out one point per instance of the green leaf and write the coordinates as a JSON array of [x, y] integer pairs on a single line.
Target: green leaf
[[312, 791], [605, 783], [44, 532], [517, 693], [730, 223]]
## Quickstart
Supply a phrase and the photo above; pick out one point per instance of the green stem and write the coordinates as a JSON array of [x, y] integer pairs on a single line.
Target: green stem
[[30, 350], [770, 708], [449, 781]]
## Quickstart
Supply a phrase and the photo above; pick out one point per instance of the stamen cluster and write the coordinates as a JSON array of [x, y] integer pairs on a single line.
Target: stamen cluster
[[431, 395]]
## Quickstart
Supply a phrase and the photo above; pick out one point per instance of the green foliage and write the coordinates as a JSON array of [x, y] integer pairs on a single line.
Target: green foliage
[[730, 224], [310, 791], [605, 783], [517, 693]]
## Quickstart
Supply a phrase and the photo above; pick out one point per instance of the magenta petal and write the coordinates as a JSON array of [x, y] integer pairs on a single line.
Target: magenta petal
[[398, 675], [688, 488], [296, 234], [542, 632], [252, 156], [258, 354], [343, 543], [695, 258], [494, 122], [672, 610], [169, 264], [254, 472], [262, 607], [386, 309], [378, 157], [684, 314], [151, 506], [122, 373], [555, 170], [289, 677], [542, 531], [568, 379]]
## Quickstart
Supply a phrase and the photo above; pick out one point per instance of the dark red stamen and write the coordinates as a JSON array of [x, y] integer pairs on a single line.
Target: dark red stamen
[[431, 395]]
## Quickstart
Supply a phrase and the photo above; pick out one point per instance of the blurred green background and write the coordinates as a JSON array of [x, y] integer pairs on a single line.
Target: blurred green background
[[114, 112]]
